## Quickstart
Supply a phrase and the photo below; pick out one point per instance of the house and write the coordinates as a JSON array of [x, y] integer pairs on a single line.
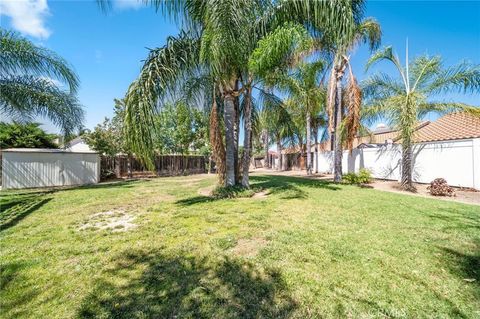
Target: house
[[448, 147], [78, 144]]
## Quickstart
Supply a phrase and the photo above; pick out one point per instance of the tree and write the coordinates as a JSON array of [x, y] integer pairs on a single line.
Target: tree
[[367, 31], [408, 98], [181, 129], [304, 96], [28, 75], [25, 135], [104, 138], [108, 137]]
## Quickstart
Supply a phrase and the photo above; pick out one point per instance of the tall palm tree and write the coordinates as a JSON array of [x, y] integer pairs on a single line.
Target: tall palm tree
[[28, 83], [274, 123], [367, 31], [304, 96], [407, 99]]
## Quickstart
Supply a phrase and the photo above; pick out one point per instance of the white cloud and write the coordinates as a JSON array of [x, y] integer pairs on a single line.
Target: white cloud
[[28, 16], [52, 81], [128, 4]]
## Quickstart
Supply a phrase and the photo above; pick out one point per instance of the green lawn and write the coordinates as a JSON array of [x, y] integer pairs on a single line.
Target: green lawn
[[309, 249]]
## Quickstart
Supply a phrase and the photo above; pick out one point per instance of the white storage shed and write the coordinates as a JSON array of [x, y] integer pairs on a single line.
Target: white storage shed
[[33, 167]]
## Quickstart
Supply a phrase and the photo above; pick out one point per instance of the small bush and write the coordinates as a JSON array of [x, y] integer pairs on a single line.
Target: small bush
[[350, 178], [363, 177], [440, 187], [106, 174]]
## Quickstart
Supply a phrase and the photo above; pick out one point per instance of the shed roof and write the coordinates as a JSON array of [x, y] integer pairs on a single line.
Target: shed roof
[[45, 150]]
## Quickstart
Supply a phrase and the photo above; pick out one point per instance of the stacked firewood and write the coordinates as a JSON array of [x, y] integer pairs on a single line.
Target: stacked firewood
[[439, 187]]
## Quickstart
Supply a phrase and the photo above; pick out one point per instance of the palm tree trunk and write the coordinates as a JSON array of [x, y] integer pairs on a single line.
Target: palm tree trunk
[[247, 116], [406, 181], [300, 140], [236, 130], [309, 145], [229, 118], [338, 152], [315, 136], [265, 138], [216, 141], [279, 152]]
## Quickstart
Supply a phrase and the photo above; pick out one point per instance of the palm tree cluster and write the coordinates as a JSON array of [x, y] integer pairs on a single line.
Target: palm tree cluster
[[29, 84], [226, 56], [281, 71]]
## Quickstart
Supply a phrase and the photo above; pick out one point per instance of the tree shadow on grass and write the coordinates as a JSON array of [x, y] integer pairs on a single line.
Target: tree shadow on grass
[[11, 274], [466, 266], [453, 218], [159, 286], [15, 208], [286, 187], [455, 311]]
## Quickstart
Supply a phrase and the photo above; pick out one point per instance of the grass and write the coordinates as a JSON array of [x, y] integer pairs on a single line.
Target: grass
[[309, 249]]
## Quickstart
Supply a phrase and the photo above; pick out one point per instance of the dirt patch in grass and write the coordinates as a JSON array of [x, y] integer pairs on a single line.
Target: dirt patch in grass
[[113, 220], [260, 195], [207, 191], [249, 247]]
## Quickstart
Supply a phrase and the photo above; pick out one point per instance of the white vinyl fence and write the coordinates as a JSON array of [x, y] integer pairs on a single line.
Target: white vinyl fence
[[28, 168], [456, 161]]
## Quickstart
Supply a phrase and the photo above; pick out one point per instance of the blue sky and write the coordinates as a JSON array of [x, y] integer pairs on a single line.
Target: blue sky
[[107, 50]]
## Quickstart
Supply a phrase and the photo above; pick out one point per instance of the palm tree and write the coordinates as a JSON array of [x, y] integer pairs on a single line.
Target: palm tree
[[28, 76], [407, 99], [221, 37], [274, 123], [367, 31], [304, 96]]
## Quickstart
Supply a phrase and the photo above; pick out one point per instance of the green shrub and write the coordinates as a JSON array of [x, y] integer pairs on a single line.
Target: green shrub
[[363, 177], [350, 178]]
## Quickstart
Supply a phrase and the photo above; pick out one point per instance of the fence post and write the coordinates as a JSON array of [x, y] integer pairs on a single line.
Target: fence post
[[117, 167]]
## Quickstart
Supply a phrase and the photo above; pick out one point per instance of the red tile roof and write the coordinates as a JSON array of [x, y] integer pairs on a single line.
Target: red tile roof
[[454, 126]]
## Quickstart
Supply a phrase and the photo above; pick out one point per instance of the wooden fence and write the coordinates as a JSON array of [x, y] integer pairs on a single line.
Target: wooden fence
[[165, 165]]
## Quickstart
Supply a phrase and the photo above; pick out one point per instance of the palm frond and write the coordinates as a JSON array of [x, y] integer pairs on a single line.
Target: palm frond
[[20, 56], [277, 49], [388, 54], [161, 71], [368, 32], [22, 97], [442, 108], [380, 85], [464, 77], [354, 102]]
